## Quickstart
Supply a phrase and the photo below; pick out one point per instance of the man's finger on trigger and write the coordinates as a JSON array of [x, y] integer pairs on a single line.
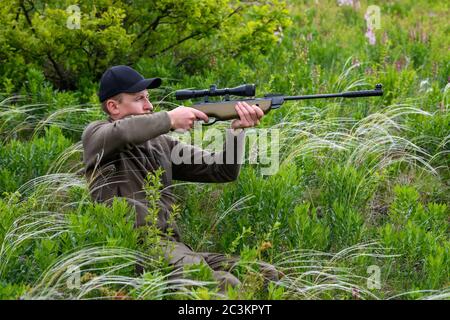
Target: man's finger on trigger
[[201, 115]]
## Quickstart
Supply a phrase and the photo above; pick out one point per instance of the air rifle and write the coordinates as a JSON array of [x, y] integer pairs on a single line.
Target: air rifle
[[224, 110]]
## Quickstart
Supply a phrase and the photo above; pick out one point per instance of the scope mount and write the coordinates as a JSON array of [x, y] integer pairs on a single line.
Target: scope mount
[[213, 92]]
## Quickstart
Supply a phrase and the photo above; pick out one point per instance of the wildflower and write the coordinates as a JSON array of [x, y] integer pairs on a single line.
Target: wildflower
[[279, 34], [121, 295], [425, 86], [265, 245], [356, 62], [399, 64], [355, 294], [385, 38], [370, 35]]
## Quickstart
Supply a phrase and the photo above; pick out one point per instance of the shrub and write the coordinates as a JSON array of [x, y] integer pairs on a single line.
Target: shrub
[[21, 161], [419, 235]]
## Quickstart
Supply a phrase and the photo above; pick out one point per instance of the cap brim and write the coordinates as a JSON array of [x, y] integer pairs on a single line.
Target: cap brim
[[151, 83]]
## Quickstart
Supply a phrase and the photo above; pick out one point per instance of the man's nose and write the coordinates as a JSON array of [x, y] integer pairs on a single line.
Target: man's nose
[[148, 105]]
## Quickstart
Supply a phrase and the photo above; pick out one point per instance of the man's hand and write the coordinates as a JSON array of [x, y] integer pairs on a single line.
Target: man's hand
[[249, 116], [184, 117]]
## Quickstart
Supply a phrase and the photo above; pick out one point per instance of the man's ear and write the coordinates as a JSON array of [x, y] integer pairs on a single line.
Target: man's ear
[[113, 107]]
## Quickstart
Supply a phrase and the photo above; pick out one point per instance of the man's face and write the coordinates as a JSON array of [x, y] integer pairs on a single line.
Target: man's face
[[130, 104]]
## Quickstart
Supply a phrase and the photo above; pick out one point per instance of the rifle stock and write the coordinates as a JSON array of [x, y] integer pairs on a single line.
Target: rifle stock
[[225, 110]]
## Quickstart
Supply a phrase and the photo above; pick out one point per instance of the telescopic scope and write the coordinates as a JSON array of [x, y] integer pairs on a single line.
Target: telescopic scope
[[245, 90]]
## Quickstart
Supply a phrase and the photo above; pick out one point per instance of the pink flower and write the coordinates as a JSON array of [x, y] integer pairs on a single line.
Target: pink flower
[[370, 35], [356, 62]]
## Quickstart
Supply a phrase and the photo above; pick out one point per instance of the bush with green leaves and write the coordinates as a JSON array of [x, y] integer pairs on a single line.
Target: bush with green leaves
[[420, 234], [22, 161], [74, 44]]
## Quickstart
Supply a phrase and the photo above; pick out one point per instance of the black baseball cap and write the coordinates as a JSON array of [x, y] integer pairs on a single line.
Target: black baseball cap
[[119, 79]]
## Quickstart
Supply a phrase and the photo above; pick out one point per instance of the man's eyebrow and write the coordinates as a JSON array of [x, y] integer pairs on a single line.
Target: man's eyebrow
[[139, 94]]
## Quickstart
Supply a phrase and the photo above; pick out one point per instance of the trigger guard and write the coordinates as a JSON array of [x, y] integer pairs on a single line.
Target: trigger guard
[[209, 121]]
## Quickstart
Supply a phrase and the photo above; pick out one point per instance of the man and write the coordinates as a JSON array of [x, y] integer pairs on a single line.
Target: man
[[120, 152]]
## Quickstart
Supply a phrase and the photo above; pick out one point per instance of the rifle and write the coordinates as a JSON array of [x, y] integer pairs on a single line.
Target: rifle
[[224, 110]]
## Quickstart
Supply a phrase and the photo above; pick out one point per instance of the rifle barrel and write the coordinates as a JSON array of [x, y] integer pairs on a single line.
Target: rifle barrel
[[349, 94], [314, 96]]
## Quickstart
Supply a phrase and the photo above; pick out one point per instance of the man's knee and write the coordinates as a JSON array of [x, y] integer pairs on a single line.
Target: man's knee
[[189, 259], [178, 254], [225, 279], [269, 272]]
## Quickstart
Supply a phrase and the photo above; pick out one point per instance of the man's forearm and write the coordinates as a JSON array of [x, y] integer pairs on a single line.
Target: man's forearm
[[191, 163]]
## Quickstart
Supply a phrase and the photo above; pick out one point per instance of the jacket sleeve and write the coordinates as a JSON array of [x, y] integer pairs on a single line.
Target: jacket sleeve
[[103, 139], [199, 165]]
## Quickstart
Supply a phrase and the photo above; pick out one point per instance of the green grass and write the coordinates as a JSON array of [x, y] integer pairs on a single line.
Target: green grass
[[362, 183]]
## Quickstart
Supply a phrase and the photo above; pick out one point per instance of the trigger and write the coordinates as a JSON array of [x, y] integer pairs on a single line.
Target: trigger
[[211, 120]]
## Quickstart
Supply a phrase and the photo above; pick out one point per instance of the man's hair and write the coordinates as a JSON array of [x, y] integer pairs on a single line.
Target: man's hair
[[117, 97]]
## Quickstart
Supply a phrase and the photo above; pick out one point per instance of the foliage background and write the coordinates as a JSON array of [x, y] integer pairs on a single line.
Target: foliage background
[[361, 183]]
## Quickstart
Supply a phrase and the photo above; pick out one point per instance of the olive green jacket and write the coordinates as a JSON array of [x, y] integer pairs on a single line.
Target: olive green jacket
[[119, 154]]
